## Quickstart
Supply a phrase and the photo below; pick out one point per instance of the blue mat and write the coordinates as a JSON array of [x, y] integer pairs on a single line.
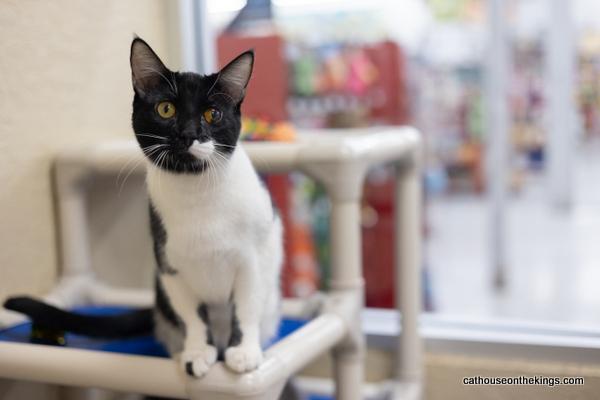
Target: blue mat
[[143, 345]]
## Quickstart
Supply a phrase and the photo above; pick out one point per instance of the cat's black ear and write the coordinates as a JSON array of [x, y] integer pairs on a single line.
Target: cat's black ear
[[146, 68], [234, 77]]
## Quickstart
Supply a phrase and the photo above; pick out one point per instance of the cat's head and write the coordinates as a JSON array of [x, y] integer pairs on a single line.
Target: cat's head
[[185, 122]]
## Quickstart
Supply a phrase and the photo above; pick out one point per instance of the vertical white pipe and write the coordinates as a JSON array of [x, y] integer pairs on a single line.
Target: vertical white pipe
[[346, 261], [497, 134], [560, 113], [348, 375], [197, 39], [73, 221], [408, 273], [346, 249], [205, 39], [187, 35]]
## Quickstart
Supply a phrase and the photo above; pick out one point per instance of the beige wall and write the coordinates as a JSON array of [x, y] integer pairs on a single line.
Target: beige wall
[[64, 80]]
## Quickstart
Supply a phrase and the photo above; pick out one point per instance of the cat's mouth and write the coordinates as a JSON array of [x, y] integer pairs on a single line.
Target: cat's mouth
[[202, 151]]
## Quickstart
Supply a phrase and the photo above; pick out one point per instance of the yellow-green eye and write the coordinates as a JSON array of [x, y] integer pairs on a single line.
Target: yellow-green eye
[[212, 115], [165, 109]]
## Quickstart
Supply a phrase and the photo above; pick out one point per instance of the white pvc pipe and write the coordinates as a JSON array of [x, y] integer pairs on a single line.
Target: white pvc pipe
[[196, 36], [408, 271], [347, 276], [560, 112], [100, 293], [205, 40], [162, 377], [345, 239], [348, 374], [72, 217], [187, 35], [73, 367], [305, 344], [497, 135]]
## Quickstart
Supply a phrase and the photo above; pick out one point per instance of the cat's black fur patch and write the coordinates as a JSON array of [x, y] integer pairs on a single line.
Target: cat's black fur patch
[[203, 313], [43, 315], [236, 332], [205, 317], [163, 306], [189, 368], [159, 237]]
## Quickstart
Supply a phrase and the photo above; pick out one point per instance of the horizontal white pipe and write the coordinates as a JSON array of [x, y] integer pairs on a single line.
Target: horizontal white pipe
[[73, 367], [161, 377], [305, 344], [100, 293], [370, 146]]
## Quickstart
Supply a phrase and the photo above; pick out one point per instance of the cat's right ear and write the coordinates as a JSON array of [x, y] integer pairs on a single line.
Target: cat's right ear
[[146, 68]]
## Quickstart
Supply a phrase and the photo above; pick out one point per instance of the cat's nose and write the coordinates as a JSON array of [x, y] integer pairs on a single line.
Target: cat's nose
[[191, 131]]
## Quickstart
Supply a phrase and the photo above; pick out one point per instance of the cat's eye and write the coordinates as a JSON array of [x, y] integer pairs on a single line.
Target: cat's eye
[[212, 115], [165, 109]]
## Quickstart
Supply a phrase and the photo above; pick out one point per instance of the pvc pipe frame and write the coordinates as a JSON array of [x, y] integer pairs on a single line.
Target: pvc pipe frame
[[340, 162]]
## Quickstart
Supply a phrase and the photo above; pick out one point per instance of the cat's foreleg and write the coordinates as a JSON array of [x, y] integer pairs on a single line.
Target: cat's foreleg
[[248, 297], [197, 355]]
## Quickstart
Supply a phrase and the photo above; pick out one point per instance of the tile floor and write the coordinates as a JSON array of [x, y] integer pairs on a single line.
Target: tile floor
[[553, 272]]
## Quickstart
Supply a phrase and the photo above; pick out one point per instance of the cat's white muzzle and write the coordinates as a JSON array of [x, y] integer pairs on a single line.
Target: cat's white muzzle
[[202, 151]]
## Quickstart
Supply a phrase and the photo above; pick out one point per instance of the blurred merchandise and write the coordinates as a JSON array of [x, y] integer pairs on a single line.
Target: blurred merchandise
[[254, 129], [341, 84]]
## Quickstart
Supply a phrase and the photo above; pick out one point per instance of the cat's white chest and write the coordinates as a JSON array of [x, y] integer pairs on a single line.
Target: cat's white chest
[[199, 252], [211, 229]]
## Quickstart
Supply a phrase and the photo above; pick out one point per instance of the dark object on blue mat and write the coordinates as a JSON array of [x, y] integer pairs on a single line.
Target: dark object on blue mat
[[127, 323], [144, 345], [41, 335]]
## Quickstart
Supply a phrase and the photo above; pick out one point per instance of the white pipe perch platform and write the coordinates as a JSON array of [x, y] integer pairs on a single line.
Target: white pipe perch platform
[[337, 159]]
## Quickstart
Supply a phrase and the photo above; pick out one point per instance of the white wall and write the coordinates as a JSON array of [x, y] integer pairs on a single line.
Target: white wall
[[64, 80]]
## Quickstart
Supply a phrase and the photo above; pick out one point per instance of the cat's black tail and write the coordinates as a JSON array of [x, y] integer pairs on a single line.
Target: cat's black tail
[[131, 323]]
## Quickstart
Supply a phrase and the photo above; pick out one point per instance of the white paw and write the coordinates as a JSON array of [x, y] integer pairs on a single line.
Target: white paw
[[243, 358], [197, 362]]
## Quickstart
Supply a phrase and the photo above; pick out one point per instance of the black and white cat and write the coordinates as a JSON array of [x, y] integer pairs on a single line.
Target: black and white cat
[[217, 239]]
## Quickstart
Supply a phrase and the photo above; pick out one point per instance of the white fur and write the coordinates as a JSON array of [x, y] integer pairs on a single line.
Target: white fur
[[226, 244], [202, 151]]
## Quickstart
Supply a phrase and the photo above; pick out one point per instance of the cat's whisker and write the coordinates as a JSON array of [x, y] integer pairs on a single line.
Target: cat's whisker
[[151, 136], [133, 168], [129, 167], [125, 166], [216, 170], [220, 163], [148, 151], [160, 162], [211, 174], [223, 160]]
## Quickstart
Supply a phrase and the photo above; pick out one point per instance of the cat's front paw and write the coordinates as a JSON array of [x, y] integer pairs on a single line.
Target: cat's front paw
[[243, 358], [197, 362]]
